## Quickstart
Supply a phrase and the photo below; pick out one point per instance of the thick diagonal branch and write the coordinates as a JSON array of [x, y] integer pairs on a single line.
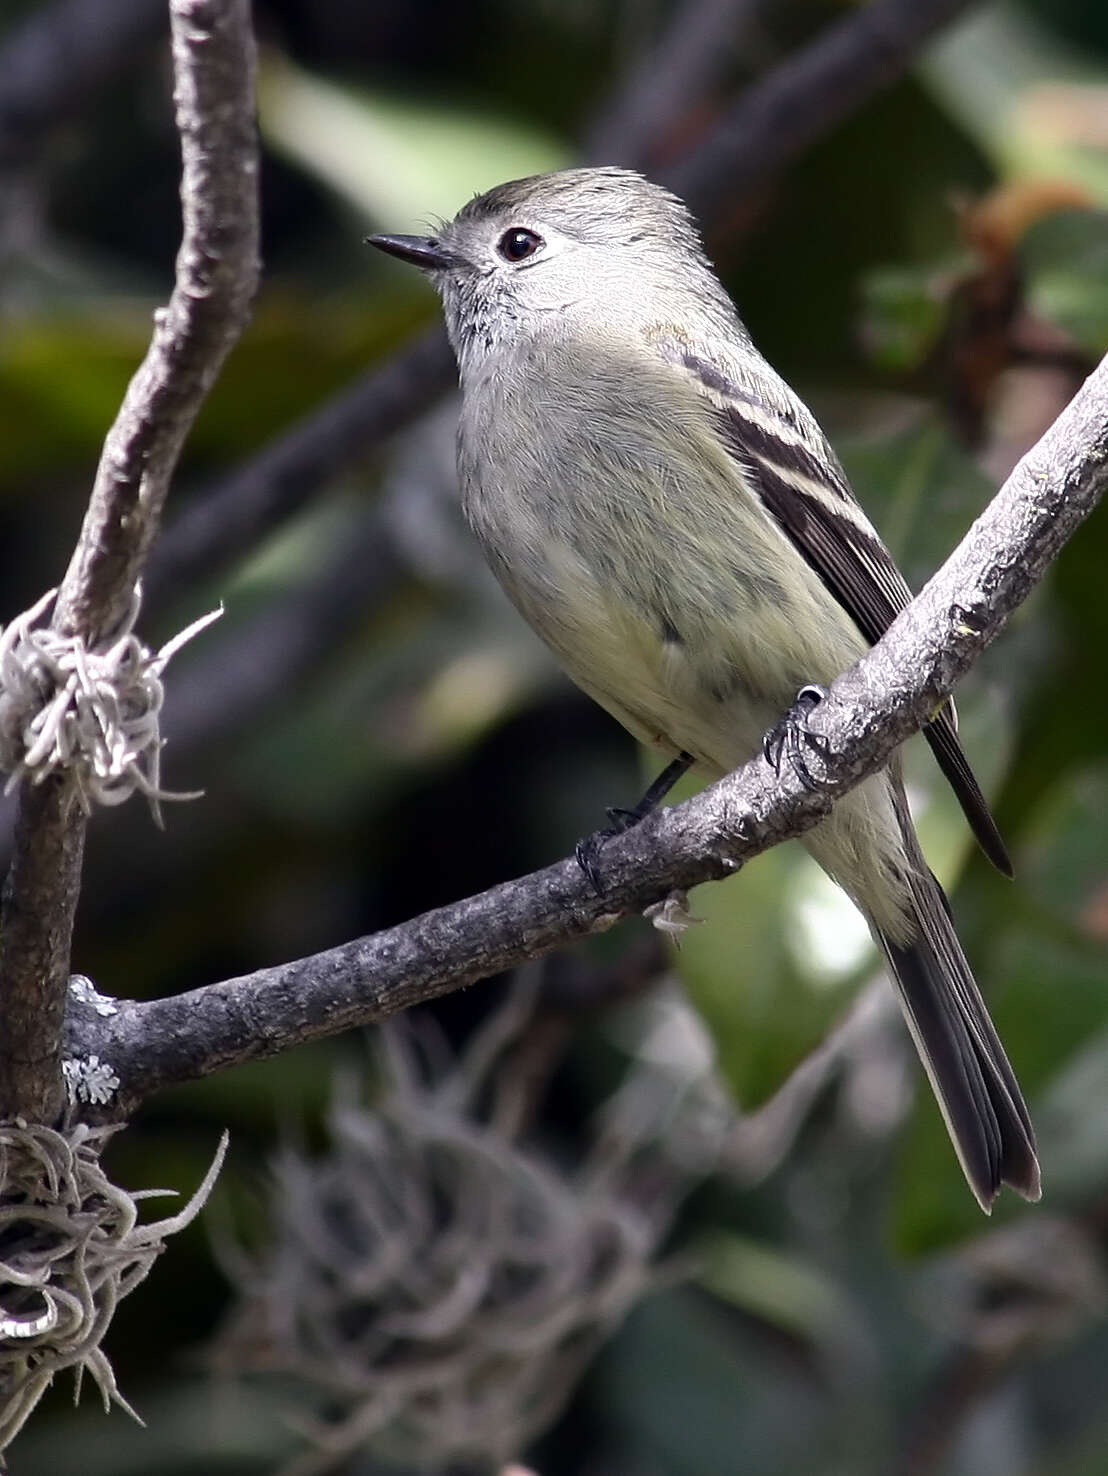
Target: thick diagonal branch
[[217, 271], [869, 710]]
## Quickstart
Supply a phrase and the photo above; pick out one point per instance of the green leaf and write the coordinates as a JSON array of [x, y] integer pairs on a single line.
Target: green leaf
[[1022, 96], [754, 972], [902, 317], [1065, 265], [398, 161], [780, 1288], [61, 380], [1070, 1125], [691, 1392], [918, 485]]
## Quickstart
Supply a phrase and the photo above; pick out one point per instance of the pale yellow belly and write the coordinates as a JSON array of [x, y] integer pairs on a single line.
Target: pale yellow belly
[[714, 695]]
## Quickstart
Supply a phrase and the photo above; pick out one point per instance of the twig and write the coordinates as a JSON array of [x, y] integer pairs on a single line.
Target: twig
[[960, 1386], [217, 267], [690, 57], [230, 517], [1015, 1295], [760, 1140], [868, 711], [249, 667], [217, 276], [805, 97]]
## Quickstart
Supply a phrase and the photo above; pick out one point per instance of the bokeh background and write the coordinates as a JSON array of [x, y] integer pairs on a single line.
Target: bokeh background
[[375, 732]]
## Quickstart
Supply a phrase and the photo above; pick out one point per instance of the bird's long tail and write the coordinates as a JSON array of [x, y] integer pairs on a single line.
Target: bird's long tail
[[975, 1086]]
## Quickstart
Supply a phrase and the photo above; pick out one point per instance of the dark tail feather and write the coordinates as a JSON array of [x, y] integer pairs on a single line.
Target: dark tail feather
[[975, 1086]]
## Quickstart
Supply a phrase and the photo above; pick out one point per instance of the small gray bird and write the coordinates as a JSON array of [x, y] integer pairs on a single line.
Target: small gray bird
[[671, 520]]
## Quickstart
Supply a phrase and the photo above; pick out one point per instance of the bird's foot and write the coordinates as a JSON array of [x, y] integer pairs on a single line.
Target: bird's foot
[[792, 738], [588, 850]]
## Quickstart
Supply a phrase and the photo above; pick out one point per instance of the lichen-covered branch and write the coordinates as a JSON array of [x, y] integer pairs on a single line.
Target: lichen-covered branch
[[869, 710], [216, 277]]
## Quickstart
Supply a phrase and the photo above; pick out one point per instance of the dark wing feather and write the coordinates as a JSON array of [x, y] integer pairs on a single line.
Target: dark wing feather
[[951, 758], [805, 490]]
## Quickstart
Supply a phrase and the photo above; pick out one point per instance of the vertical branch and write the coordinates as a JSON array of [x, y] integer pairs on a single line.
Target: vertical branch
[[217, 270], [216, 276]]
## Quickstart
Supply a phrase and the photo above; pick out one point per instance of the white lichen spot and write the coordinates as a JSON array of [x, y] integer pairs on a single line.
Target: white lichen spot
[[89, 1080], [85, 992]]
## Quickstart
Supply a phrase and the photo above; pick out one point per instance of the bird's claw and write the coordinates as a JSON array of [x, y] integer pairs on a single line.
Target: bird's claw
[[791, 737], [587, 851]]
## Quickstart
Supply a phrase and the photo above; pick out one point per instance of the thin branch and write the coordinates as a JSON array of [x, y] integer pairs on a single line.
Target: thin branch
[[805, 97], [229, 518], [673, 79], [248, 668], [1027, 1288], [773, 122], [759, 1141], [217, 268], [869, 710], [217, 276]]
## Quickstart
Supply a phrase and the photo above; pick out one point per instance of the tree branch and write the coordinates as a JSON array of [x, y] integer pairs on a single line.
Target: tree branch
[[223, 522], [217, 269], [777, 119], [217, 276], [870, 710], [247, 669], [690, 57]]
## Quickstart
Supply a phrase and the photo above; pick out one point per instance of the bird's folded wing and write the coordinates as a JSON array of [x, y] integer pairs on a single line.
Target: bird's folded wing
[[796, 474]]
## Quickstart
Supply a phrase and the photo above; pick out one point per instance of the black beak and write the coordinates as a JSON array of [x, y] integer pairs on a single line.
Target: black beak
[[421, 251]]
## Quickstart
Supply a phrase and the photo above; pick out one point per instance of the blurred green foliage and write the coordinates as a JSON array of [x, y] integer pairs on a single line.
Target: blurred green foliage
[[932, 277]]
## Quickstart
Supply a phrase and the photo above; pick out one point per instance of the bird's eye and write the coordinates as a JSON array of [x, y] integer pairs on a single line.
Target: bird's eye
[[518, 244]]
